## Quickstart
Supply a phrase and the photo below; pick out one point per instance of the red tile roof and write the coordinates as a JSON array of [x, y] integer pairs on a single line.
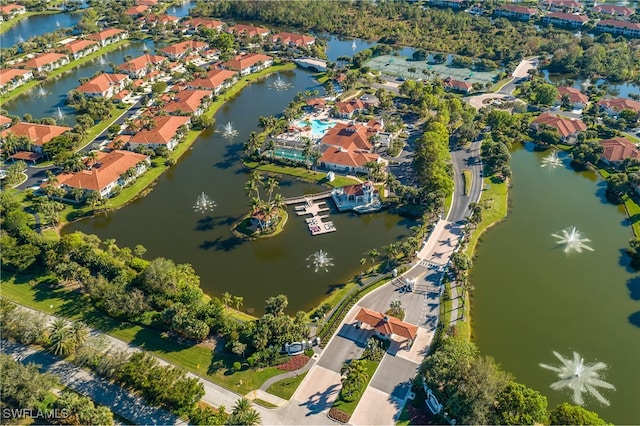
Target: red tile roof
[[348, 137], [207, 23], [562, 3], [575, 95], [44, 59], [316, 102], [141, 62], [107, 169], [614, 9], [136, 10], [8, 74], [518, 9], [241, 62], [39, 134], [617, 149], [386, 324], [567, 17], [618, 24], [214, 79], [620, 104], [293, 38], [4, 120], [78, 45], [350, 106], [249, 30], [102, 82], [451, 83], [357, 189], [564, 126], [347, 158], [182, 47], [8, 9], [162, 19], [106, 34], [147, 2], [26, 156], [187, 101], [165, 129]]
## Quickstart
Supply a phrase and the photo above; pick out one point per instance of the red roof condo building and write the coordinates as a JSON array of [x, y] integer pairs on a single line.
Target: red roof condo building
[[104, 85], [142, 65], [349, 137], [616, 106], [109, 36], [164, 133], [247, 64], [38, 134], [179, 50], [10, 78], [189, 102], [293, 39], [567, 128], [46, 62], [215, 80], [618, 149], [80, 48]]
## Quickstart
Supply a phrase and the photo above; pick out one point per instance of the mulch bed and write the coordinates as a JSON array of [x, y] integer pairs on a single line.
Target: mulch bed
[[419, 416], [339, 415], [295, 363]]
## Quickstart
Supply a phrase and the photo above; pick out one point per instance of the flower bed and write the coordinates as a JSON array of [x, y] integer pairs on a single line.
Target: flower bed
[[339, 415], [295, 363]]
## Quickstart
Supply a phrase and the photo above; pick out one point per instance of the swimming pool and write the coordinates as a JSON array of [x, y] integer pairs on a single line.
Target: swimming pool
[[318, 127]]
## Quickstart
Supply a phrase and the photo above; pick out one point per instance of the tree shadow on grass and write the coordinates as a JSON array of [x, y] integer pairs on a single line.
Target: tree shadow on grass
[[154, 341]]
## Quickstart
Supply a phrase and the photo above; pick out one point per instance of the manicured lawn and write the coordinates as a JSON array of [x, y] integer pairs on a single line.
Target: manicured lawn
[[498, 193], [350, 407], [467, 177], [302, 173], [633, 211], [285, 388]]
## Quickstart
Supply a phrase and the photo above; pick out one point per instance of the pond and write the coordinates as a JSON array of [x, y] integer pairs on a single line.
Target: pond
[[38, 25]]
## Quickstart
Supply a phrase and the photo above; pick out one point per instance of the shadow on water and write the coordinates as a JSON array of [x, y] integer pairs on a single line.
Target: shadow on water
[[208, 223], [625, 261], [224, 244], [634, 288], [634, 319]]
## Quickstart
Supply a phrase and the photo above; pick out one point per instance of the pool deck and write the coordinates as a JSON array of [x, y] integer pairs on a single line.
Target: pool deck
[[315, 223]]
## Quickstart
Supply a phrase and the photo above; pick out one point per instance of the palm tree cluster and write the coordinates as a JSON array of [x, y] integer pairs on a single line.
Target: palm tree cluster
[[355, 379], [264, 209], [244, 414], [65, 337]]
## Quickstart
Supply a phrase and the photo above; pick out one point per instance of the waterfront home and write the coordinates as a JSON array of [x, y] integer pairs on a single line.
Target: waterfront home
[[575, 98], [614, 10], [195, 23], [347, 109], [142, 65], [104, 85], [180, 50], [453, 4], [452, 85], [110, 170], [166, 132], [109, 36], [293, 39], [250, 63], [344, 161], [4, 122], [562, 19], [562, 5], [568, 128], [45, 62], [248, 30], [386, 326], [361, 197], [349, 137], [611, 26], [10, 78], [193, 102], [147, 2], [80, 48], [12, 10], [315, 104], [136, 11], [616, 150], [38, 134], [162, 19], [616, 106], [514, 11], [216, 80]]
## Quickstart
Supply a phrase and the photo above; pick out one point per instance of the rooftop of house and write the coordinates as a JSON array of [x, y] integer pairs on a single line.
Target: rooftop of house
[[141, 62], [350, 106], [43, 59], [207, 23], [618, 24], [8, 74], [297, 39], [106, 34], [187, 101], [241, 62], [617, 149], [387, 324], [348, 137], [614, 9], [9, 8], [456, 84], [575, 95], [4, 120], [248, 29], [78, 45], [359, 188], [564, 126], [166, 128], [39, 134], [567, 17], [345, 158], [183, 47], [518, 9], [102, 82], [136, 10], [620, 104], [214, 79]]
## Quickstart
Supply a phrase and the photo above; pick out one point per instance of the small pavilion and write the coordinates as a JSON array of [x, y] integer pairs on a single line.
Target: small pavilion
[[386, 327]]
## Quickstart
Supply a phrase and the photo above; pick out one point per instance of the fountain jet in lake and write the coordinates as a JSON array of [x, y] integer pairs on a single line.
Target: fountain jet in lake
[[354, 45], [552, 160], [19, 38], [320, 261], [229, 131], [572, 240], [59, 114], [204, 204], [280, 84], [579, 377], [41, 92]]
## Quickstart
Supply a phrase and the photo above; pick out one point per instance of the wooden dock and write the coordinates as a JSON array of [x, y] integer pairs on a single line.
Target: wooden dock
[[315, 223]]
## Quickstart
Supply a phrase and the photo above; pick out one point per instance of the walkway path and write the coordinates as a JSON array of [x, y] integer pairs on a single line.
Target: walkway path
[[288, 374]]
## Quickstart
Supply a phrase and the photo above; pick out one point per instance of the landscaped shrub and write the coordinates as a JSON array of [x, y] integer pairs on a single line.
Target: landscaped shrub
[[296, 362], [339, 415]]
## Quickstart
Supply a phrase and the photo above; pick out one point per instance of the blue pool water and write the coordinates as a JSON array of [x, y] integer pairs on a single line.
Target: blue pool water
[[318, 127]]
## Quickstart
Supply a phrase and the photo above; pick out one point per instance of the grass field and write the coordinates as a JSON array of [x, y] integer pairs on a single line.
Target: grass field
[[285, 388], [302, 173], [467, 178], [497, 194]]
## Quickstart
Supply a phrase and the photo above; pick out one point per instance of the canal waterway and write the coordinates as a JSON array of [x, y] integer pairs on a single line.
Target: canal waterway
[[165, 223], [531, 298], [622, 90], [46, 104], [180, 10], [38, 25]]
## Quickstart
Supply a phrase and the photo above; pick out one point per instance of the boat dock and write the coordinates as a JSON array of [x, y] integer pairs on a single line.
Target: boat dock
[[315, 223]]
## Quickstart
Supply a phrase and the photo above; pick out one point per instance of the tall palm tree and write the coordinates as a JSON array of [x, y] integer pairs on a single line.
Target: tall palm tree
[[226, 299], [270, 185], [61, 337], [252, 418], [80, 332], [243, 413]]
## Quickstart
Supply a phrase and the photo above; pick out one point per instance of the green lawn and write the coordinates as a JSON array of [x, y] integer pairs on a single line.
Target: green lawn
[[44, 295], [302, 173], [350, 407], [633, 211], [467, 177], [286, 387], [498, 193]]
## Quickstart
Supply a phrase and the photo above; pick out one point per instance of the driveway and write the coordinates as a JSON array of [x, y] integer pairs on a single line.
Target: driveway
[[465, 159]]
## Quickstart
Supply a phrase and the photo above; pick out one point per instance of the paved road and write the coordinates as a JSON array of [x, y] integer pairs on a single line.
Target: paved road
[[98, 389], [520, 74], [465, 159]]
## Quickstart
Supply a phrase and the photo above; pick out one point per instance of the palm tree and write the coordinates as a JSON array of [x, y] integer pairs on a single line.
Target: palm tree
[[80, 332], [10, 144], [253, 144], [373, 255], [226, 299], [77, 194], [270, 185], [244, 414], [92, 156], [237, 301], [61, 337]]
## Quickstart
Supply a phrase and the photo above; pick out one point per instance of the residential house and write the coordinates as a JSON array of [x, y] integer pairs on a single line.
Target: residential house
[[349, 137], [562, 5], [453, 4], [38, 134], [164, 133], [142, 65], [10, 78], [386, 326], [316, 104], [614, 10], [149, 3], [248, 30], [46, 62], [616, 150], [12, 10], [616, 106], [162, 19], [109, 36], [193, 102], [293, 39], [4, 122], [104, 85], [566, 127], [211, 24], [136, 11], [611, 26], [347, 109], [344, 161], [575, 97], [216, 80], [250, 63], [452, 85], [113, 169], [180, 50], [81, 48], [562, 19], [514, 11], [359, 197]]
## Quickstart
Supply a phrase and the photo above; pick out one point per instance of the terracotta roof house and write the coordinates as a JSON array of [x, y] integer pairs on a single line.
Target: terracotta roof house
[[630, 29], [110, 170], [347, 109], [615, 106], [293, 39], [562, 19], [316, 104], [567, 128], [515, 11], [136, 10], [349, 137], [386, 326], [10, 78], [211, 24], [617, 149], [142, 65], [452, 85], [162, 19], [46, 62], [614, 10], [80, 48], [4, 122], [11, 10], [341, 160], [179, 50], [247, 64], [104, 85], [190, 101], [562, 5], [576, 98], [165, 133], [109, 36], [39, 134], [248, 30], [216, 80], [147, 2], [453, 4]]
